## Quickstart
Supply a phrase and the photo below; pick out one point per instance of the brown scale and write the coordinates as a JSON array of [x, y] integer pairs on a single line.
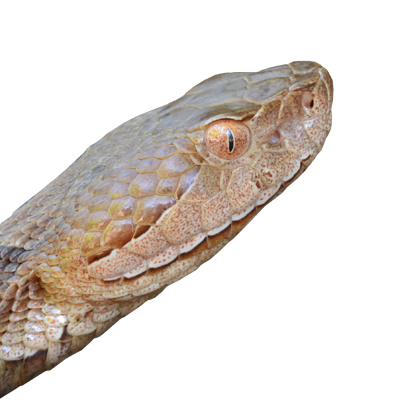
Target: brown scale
[[154, 185]]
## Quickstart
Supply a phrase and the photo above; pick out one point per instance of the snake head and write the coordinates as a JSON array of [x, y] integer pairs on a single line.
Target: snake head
[[205, 164], [147, 205]]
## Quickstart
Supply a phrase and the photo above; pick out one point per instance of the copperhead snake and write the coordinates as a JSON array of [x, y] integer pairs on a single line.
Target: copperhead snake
[[147, 205]]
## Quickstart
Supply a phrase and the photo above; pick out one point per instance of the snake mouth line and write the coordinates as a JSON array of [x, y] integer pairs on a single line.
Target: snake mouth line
[[132, 278], [168, 256], [153, 270], [204, 241]]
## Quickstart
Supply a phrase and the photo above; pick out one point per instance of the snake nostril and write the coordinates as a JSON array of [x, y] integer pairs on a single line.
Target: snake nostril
[[308, 100]]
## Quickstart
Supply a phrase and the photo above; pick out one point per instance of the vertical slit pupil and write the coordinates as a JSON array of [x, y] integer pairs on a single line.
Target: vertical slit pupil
[[231, 141]]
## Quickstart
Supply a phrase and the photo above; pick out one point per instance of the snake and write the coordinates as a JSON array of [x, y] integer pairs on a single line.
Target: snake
[[148, 204]]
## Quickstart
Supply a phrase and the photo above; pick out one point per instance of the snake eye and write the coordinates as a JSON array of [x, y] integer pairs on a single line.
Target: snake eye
[[228, 139]]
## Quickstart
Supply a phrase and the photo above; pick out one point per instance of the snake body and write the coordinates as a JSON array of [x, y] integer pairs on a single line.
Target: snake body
[[147, 205]]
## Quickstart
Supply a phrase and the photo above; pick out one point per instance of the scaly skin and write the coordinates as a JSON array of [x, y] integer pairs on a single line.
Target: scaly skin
[[147, 205]]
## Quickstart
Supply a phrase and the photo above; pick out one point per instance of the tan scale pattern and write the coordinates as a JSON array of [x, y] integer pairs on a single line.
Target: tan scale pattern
[[147, 205]]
